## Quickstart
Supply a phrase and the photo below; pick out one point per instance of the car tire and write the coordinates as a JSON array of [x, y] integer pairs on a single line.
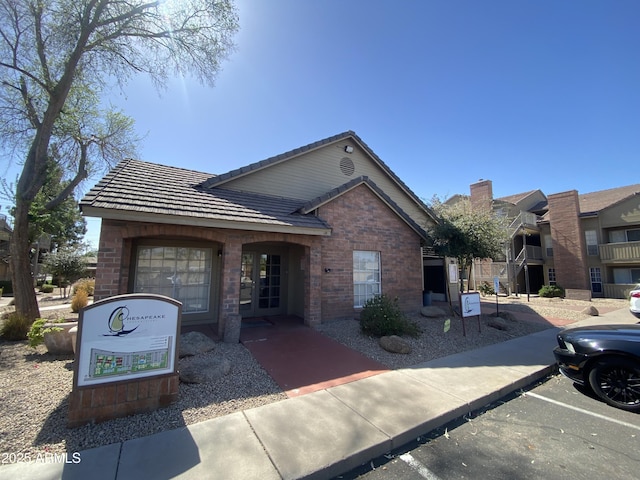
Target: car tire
[[617, 382]]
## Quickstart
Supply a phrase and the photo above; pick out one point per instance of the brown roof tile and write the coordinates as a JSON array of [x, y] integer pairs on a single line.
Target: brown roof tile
[[134, 186], [596, 201]]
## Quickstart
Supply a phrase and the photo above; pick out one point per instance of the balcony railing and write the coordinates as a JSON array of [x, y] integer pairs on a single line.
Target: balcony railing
[[623, 252], [617, 290]]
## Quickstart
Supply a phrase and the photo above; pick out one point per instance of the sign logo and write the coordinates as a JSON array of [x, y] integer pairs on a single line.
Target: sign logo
[[117, 321]]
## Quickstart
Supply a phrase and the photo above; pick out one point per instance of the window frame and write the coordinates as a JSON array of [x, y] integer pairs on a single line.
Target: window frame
[[365, 290], [589, 237], [208, 272], [595, 277]]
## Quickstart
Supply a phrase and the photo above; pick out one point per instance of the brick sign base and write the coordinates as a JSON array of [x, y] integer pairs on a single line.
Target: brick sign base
[[108, 401]]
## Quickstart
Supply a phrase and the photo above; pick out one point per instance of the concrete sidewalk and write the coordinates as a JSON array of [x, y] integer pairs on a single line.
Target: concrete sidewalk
[[325, 433]]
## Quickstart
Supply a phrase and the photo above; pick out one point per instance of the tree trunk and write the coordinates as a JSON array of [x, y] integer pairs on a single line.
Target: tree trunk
[[23, 289]]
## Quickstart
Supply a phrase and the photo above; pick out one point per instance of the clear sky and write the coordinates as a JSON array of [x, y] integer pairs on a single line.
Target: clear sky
[[532, 94]]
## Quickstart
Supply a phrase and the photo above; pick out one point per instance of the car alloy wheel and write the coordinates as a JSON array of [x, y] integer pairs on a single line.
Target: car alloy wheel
[[617, 382]]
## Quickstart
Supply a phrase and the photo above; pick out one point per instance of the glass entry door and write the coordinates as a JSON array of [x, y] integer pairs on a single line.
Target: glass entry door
[[261, 284]]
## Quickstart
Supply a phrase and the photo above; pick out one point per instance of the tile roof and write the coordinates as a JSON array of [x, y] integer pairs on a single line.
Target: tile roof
[[143, 188], [516, 197], [596, 201]]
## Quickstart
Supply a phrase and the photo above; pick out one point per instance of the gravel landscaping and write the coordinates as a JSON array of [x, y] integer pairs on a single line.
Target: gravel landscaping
[[34, 385]]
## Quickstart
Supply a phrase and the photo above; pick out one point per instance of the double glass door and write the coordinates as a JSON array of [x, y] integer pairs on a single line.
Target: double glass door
[[261, 284]]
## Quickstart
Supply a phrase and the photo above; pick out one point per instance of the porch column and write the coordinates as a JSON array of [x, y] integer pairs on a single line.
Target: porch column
[[230, 318], [313, 285]]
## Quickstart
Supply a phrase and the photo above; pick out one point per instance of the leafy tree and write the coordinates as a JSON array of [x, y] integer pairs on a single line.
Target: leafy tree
[[64, 223], [66, 266], [57, 57], [465, 233]]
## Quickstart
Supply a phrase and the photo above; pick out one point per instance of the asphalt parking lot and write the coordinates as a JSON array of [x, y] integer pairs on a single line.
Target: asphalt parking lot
[[553, 430]]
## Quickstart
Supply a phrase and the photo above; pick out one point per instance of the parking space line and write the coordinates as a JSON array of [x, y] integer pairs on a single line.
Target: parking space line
[[423, 471], [581, 410]]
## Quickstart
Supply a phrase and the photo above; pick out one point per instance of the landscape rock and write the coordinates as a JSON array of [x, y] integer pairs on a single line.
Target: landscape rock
[[193, 343], [395, 344], [204, 369], [498, 323], [591, 310], [432, 312]]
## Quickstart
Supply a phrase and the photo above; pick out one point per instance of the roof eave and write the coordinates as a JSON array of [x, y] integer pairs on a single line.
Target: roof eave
[[144, 217]]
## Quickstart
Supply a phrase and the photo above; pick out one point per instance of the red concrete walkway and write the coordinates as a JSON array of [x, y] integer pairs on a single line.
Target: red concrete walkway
[[302, 360]]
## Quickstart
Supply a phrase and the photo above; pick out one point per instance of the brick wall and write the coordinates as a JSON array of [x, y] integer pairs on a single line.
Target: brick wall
[[361, 221], [569, 257], [481, 195], [113, 400]]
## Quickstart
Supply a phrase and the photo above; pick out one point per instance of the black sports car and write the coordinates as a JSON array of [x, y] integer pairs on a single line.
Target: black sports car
[[605, 357]]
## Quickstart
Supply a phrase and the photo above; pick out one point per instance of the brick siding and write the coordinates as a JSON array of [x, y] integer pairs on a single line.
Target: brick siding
[[113, 400], [568, 241], [361, 221]]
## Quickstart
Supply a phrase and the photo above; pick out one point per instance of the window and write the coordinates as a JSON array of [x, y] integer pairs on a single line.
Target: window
[[633, 235], [620, 236], [596, 279], [552, 276], [366, 276], [548, 243], [182, 273], [626, 275], [592, 242]]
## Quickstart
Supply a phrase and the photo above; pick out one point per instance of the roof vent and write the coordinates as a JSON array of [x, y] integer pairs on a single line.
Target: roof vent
[[346, 166]]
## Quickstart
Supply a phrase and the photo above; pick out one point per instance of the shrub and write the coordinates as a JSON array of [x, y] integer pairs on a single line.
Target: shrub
[[86, 284], [37, 330], [14, 327], [381, 316], [7, 288], [79, 300], [486, 289], [551, 291], [46, 288]]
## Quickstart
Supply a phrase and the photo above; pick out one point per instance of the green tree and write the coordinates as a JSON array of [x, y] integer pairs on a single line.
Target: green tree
[[465, 233], [64, 223], [66, 266], [57, 57]]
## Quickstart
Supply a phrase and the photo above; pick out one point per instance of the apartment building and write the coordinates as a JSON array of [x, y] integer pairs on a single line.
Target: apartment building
[[587, 243]]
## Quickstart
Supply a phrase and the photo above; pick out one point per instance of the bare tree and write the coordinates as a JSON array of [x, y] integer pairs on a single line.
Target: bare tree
[[58, 57]]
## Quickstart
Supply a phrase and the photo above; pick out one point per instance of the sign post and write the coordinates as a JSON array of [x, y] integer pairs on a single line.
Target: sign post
[[496, 288], [469, 307]]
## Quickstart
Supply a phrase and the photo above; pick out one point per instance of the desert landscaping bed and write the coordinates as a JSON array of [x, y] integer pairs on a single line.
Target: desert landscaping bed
[[34, 385]]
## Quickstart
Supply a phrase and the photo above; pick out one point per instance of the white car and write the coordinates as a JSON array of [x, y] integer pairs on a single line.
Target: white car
[[634, 300]]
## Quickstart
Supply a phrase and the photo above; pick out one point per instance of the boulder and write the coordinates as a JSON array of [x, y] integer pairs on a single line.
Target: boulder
[[395, 344], [193, 343], [498, 323], [204, 369], [432, 312], [591, 310]]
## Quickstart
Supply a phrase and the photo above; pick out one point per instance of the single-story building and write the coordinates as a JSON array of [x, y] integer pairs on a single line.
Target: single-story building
[[312, 233]]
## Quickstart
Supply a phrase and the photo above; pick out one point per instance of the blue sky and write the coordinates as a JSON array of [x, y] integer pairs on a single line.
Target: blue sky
[[530, 94]]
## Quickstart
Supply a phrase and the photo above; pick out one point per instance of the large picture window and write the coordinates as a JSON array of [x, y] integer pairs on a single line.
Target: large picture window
[[366, 276], [183, 273]]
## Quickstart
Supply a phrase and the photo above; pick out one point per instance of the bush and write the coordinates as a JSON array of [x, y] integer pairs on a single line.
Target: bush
[[486, 289], [86, 284], [7, 288], [79, 300], [37, 330], [46, 288], [551, 291], [381, 316], [14, 327]]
